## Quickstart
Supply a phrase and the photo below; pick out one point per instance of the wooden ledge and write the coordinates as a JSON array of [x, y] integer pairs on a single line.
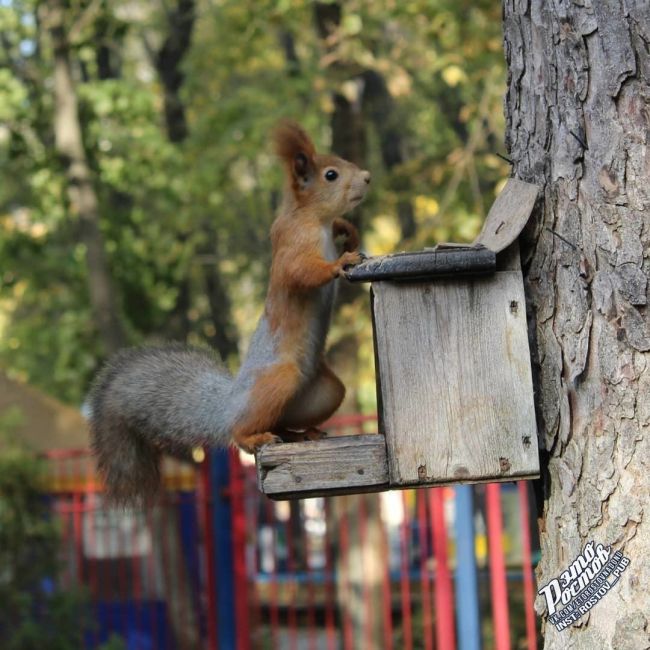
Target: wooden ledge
[[336, 465], [442, 261]]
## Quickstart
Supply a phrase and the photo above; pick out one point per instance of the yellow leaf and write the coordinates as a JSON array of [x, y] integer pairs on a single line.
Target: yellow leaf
[[384, 236], [453, 75], [425, 208]]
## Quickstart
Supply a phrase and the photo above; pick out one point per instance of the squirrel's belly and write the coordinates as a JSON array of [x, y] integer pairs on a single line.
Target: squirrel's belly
[[319, 322], [303, 340]]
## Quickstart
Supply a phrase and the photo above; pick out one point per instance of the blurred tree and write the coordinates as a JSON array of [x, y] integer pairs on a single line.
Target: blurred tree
[[82, 197], [175, 103]]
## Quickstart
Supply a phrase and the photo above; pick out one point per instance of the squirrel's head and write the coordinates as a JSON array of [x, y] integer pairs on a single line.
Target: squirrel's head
[[327, 184]]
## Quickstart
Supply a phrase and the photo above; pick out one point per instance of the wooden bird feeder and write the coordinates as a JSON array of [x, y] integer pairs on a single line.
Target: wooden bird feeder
[[454, 383]]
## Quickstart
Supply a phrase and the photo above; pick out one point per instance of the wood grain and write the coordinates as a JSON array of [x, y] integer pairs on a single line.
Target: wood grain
[[456, 383], [508, 215], [337, 465]]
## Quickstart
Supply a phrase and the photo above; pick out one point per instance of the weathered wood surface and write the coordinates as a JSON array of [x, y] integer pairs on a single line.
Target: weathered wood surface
[[455, 380], [578, 125], [424, 265], [337, 465], [508, 215]]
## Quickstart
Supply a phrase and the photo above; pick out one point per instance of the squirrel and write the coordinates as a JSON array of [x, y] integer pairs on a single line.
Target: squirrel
[[170, 398]]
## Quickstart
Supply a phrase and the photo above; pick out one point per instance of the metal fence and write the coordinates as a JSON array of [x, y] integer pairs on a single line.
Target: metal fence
[[216, 565]]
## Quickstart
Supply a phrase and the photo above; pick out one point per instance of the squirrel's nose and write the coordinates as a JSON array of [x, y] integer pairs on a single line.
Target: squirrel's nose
[[366, 177]]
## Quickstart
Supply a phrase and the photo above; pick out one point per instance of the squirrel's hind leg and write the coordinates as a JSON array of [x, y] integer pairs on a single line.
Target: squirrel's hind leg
[[315, 403], [272, 391]]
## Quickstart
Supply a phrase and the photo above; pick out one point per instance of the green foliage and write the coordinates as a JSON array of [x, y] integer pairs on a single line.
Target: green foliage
[[171, 211], [35, 615]]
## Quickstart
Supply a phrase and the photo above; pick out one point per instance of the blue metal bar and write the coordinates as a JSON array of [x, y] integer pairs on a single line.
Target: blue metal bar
[[224, 565], [467, 604]]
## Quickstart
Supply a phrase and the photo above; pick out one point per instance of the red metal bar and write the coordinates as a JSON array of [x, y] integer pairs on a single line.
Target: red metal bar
[[239, 551], [527, 566], [387, 601], [66, 527], [427, 631], [330, 598], [253, 524], [311, 612], [91, 513], [405, 580], [352, 421], [275, 613], [293, 585], [367, 601], [498, 587], [344, 577], [444, 592]]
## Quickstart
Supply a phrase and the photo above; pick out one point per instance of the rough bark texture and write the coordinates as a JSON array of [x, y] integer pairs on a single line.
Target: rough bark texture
[[577, 125]]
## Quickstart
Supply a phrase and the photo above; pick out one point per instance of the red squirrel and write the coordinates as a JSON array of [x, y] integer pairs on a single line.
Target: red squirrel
[[171, 398]]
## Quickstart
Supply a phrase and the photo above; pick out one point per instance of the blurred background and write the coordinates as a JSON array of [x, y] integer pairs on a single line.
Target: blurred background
[[137, 188], [137, 185]]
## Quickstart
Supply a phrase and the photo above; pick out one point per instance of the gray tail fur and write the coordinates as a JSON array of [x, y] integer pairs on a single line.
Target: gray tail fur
[[151, 400]]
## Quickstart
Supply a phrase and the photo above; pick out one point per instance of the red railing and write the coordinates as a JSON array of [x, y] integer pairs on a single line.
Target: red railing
[[344, 572]]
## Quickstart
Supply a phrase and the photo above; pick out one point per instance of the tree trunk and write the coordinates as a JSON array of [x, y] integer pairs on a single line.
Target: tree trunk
[[577, 125], [81, 192], [224, 338], [168, 64]]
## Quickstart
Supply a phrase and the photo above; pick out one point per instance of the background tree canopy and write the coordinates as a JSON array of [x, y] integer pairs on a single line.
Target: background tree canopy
[[137, 184]]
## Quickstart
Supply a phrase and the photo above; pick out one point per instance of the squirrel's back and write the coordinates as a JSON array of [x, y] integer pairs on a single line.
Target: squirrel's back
[[153, 399]]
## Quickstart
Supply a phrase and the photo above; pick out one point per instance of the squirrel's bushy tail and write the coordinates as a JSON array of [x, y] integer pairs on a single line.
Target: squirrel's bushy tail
[[128, 463], [152, 400]]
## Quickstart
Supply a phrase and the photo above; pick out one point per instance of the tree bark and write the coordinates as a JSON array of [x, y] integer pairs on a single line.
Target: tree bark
[[83, 200], [577, 125], [168, 60]]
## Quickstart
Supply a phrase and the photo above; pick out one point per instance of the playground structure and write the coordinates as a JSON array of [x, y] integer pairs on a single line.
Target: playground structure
[[217, 565]]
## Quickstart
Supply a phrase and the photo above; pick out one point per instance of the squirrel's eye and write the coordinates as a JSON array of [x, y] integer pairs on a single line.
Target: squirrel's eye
[[331, 175]]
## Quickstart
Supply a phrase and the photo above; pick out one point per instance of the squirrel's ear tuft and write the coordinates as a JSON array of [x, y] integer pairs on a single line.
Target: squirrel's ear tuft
[[294, 147]]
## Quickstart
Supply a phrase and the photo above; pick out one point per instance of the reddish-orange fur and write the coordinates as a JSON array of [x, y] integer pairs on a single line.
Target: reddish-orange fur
[[311, 205], [344, 227]]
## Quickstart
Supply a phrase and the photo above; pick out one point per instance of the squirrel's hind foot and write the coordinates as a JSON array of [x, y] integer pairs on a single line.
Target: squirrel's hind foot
[[310, 433], [255, 441]]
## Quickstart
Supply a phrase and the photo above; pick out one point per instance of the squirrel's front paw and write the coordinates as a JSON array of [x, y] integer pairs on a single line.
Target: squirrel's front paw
[[348, 259]]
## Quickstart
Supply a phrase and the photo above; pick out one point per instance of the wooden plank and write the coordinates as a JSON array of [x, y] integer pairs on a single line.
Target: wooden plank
[[508, 215], [424, 265], [456, 380], [337, 465]]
